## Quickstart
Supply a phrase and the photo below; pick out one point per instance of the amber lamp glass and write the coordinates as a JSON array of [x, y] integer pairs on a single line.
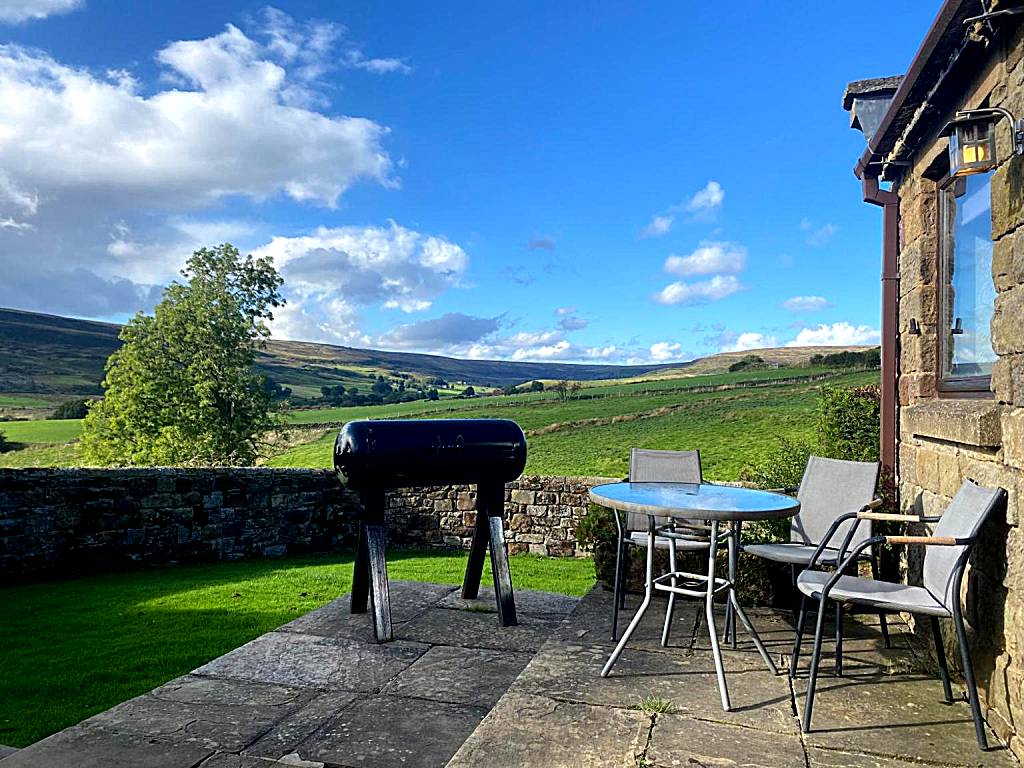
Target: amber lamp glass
[[972, 147]]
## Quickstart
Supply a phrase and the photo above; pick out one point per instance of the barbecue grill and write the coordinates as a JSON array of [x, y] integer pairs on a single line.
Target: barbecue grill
[[373, 456]]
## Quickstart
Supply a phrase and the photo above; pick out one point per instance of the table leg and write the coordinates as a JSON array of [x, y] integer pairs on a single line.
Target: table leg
[[709, 613], [752, 632], [648, 592], [730, 614]]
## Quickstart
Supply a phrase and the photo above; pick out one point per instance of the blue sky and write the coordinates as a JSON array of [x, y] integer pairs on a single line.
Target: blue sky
[[603, 182]]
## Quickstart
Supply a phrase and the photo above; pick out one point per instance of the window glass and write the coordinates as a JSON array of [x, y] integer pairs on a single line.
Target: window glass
[[969, 293]]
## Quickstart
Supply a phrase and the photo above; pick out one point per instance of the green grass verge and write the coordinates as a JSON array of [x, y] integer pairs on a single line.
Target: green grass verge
[[42, 431], [43, 455], [73, 648]]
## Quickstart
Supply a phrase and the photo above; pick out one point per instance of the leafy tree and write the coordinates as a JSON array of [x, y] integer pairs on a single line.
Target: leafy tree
[[381, 387], [509, 389], [469, 392], [71, 409], [432, 394], [536, 386], [566, 389], [5, 444], [181, 391]]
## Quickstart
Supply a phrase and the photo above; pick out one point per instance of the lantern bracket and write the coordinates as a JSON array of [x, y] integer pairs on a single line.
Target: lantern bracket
[[970, 115]]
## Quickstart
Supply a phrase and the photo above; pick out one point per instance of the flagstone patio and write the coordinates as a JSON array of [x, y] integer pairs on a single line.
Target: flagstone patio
[[457, 690]]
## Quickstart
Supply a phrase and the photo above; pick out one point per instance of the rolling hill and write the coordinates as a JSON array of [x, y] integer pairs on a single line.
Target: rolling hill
[[50, 357]]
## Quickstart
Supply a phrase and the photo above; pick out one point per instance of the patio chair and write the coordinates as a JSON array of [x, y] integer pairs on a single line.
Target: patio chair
[[651, 466], [946, 554], [829, 488]]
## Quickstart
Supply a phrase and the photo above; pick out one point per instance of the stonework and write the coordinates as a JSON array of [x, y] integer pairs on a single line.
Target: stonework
[[944, 440], [55, 521]]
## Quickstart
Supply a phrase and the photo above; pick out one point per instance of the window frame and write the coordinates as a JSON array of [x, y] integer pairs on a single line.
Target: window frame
[[946, 384]]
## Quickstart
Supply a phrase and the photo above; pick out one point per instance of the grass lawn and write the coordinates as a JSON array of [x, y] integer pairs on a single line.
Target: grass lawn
[[73, 648], [42, 430]]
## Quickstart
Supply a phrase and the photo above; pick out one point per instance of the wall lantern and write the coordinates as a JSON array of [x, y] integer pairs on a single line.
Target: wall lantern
[[972, 139]]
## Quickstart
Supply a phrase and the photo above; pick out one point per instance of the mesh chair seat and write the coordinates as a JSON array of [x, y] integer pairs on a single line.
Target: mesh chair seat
[[639, 539], [876, 594], [791, 552]]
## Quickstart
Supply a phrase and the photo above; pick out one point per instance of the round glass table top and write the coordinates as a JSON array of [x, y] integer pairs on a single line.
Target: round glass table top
[[694, 500]]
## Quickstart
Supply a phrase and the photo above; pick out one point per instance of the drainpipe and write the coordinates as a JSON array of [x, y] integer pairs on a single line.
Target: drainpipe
[[890, 204]]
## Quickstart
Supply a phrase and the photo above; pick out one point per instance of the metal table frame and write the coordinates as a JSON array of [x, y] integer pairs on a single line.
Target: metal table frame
[[707, 586]]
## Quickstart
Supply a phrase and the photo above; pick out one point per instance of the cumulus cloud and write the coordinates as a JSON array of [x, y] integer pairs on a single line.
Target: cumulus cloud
[[453, 328], [703, 292], [710, 258], [707, 199], [836, 334], [703, 204], [17, 11], [99, 170], [348, 268], [660, 225], [749, 340], [664, 351], [544, 243], [818, 235], [806, 304]]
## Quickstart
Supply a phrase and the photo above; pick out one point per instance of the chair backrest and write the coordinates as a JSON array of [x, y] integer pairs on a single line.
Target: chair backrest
[[830, 488], [962, 519], [650, 466]]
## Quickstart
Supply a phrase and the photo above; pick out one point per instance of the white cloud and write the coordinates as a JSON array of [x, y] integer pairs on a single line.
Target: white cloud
[[710, 258], [391, 267], [750, 340], [17, 11], [105, 174], [836, 334], [663, 351], [453, 328], [707, 199], [715, 289], [563, 311], [355, 59], [660, 225], [806, 304], [818, 236]]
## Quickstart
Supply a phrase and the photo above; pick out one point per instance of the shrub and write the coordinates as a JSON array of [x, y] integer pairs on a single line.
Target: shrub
[[5, 444], [848, 422], [71, 409]]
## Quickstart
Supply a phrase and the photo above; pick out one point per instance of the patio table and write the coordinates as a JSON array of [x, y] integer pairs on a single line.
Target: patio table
[[692, 502]]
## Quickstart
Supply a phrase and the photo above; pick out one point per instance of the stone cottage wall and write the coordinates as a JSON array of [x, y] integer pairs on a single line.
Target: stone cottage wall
[[944, 439], [57, 521]]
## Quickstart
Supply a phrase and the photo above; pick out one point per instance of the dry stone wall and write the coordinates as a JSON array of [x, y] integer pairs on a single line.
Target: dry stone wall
[[60, 521]]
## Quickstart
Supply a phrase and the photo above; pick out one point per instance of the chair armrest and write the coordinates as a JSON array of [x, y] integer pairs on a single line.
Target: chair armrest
[[937, 541]]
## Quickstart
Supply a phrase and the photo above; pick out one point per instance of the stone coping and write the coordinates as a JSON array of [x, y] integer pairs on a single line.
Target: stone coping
[[970, 422]]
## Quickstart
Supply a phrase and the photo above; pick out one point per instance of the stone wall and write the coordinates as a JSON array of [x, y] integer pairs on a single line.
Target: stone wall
[[58, 521], [945, 439]]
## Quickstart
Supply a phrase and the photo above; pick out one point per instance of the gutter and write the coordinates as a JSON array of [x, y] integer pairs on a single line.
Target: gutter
[[890, 204]]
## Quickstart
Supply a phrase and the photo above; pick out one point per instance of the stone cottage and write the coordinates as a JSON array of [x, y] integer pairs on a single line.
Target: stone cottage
[[944, 162]]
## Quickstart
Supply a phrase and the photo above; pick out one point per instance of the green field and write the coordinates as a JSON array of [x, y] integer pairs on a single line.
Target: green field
[[588, 435], [731, 427], [70, 649]]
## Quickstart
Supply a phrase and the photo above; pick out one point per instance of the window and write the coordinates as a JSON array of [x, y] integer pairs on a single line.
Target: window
[[967, 294]]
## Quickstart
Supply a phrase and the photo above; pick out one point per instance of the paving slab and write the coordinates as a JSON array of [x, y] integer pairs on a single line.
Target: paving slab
[[471, 629], [824, 758], [285, 736], [528, 601], [896, 716], [572, 673], [5, 751], [291, 658], [218, 714], [681, 741], [474, 676], [82, 746], [525, 731], [392, 730], [408, 600]]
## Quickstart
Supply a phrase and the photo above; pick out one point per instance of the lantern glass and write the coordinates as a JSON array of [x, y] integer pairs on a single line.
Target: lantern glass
[[972, 148]]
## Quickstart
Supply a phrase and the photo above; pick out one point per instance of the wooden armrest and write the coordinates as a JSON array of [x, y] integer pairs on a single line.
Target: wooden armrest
[[885, 516], [938, 541]]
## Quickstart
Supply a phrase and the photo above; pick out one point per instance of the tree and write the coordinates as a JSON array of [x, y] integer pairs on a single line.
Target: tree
[[5, 445], [71, 409], [469, 392], [566, 389], [181, 391], [536, 386]]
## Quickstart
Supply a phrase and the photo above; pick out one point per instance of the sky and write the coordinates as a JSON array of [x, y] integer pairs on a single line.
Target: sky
[[620, 182]]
